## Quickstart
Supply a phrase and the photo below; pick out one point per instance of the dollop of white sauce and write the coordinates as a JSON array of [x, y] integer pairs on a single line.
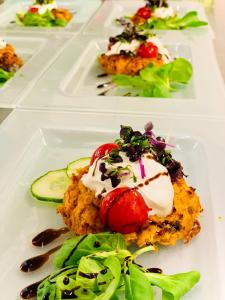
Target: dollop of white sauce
[[125, 46], [43, 8], [135, 44], [158, 194], [2, 43], [164, 12]]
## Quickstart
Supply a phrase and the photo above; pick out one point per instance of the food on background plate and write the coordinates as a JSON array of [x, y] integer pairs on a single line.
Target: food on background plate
[[130, 52], [10, 62], [99, 266], [141, 63], [132, 186], [158, 14], [44, 13]]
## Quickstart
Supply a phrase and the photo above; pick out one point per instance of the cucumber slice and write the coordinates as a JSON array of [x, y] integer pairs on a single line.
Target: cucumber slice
[[77, 164], [51, 186]]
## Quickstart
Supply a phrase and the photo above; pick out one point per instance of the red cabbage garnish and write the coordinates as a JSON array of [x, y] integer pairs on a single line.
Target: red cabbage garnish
[[142, 168]]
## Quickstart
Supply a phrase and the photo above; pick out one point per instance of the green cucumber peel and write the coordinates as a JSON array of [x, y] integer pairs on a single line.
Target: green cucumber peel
[[51, 186]]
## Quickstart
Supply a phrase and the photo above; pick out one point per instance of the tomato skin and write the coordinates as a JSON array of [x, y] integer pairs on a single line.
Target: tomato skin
[[144, 12], [148, 50], [33, 10], [124, 210], [103, 150]]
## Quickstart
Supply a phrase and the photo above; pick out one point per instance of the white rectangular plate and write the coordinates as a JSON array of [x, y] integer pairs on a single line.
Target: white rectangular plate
[[52, 139], [74, 75], [83, 11], [37, 54], [104, 20]]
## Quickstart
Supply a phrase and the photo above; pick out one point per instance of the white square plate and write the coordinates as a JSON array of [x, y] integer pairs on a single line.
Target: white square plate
[[32, 142], [74, 75], [104, 20], [37, 54], [83, 11]]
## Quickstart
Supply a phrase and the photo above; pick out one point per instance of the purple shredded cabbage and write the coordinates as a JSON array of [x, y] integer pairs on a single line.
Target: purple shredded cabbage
[[142, 168]]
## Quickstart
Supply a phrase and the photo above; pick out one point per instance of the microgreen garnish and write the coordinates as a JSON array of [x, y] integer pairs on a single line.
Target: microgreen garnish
[[135, 144], [157, 3]]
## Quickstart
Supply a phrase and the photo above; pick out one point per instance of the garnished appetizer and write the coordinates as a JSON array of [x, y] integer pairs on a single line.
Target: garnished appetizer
[[9, 61], [141, 63], [158, 14], [132, 186], [44, 13], [130, 52], [99, 266]]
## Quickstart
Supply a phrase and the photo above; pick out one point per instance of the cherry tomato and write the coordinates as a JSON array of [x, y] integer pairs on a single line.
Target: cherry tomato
[[124, 210], [103, 150], [33, 10], [148, 50], [144, 12]]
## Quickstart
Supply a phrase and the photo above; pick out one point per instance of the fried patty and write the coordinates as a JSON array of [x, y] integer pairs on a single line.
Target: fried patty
[[80, 212], [9, 61], [62, 13], [124, 64]]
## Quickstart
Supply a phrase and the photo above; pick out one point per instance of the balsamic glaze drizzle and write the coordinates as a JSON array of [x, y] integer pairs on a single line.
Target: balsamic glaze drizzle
[[34, 263], [47, 236]]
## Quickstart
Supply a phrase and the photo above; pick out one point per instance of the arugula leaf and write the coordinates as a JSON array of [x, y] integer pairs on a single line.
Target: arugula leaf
[[157, 81], [174, 23], [73, 249], [174, 286]]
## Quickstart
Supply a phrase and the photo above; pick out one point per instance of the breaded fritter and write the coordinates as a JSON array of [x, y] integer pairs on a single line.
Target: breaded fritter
[[80, 212], [124, 64], [9, 61]]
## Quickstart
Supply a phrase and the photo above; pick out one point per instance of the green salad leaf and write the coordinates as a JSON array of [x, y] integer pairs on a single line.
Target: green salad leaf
[[174, 23], [4, 76], [73, 249], [174, 286], [157, 81], [39, 20], [110, 274]]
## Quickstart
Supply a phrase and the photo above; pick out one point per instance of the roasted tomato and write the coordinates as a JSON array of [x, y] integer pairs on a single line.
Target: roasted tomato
[[103, 150], [124, 210], [144, 12], [148, 50]]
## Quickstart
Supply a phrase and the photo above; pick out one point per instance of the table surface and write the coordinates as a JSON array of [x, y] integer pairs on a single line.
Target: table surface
[[216, 16]]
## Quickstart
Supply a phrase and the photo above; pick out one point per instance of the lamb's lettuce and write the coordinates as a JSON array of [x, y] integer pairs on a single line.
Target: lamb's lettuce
[[190, 20], [157, 81], [111, 275], [40, 20], [4, 76], [74, 248]]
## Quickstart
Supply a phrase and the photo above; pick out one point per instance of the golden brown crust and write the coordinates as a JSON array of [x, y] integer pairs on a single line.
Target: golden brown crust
[[9, 61], [80, 211], [62, 13], [124, 64], [138, 20]]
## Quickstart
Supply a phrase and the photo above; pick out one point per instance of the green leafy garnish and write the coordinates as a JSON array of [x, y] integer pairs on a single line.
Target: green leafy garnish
[[37, 20], [157, 81], [4, 76], [109, 274], [174, 23]]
